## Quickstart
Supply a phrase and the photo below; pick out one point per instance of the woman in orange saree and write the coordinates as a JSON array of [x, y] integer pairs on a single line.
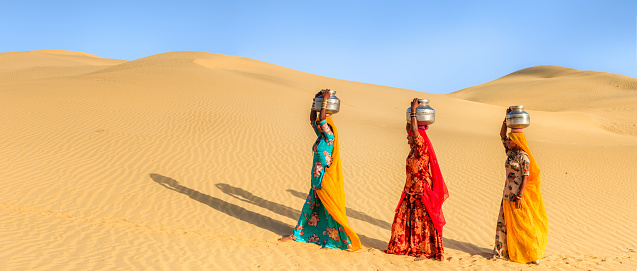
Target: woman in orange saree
[[522, 227]]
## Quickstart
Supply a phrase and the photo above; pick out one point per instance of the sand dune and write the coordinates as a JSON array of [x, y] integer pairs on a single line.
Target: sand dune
[[199, 161], [609, 99], [50, 63]]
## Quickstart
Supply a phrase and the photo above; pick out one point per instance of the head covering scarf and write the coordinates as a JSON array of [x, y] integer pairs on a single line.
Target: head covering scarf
[[433, 197], [332, 194], [527, 227]]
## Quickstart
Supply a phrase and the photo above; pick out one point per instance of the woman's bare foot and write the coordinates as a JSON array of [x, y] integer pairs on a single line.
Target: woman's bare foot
[[285, 239]]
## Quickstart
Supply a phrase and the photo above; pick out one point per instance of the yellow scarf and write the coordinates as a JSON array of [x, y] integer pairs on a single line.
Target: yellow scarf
[[527, 227], [332, 194]]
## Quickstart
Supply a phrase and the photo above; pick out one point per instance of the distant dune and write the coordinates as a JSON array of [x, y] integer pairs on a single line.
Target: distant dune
[[200, 161], [609, 99]]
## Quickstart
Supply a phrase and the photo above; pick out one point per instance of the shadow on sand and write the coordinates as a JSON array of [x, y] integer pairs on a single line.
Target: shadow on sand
[[246, 196], [279, 227], [230, 209]]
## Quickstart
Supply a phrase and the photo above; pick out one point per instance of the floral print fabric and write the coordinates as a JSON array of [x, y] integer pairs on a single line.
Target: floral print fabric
[[517, 166], [316, 225], [413, 232], [322, 150], [418, 171], [501, 250]]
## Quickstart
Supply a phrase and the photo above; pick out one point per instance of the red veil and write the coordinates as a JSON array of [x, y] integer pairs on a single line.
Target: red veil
[[435, 196]]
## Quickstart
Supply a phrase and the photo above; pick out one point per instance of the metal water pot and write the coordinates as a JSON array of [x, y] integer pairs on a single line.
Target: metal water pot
[[333, 103], [518, 118], [424, 113]]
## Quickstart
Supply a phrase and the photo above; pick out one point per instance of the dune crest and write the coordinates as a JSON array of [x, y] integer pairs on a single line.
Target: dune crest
[[50, 63], [544, 71], [64, 52]]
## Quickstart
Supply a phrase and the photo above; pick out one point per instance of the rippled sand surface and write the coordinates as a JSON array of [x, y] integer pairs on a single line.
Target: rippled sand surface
[[200, 161]]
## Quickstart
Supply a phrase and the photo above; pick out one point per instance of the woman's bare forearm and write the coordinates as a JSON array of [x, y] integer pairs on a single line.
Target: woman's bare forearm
[[413, 117], [503, 129], [326, 97], [312, 116], [322, 114], [414, 126]]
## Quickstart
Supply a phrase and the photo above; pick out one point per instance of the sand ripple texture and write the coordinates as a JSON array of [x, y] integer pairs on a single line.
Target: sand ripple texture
[[199, 161]]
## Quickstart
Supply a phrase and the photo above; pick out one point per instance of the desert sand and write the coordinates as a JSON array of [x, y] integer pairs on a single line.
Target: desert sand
[[200, 161]]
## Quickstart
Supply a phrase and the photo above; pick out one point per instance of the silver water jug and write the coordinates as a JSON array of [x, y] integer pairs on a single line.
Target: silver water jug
[[333, 103], [424, 113], [518, 118]]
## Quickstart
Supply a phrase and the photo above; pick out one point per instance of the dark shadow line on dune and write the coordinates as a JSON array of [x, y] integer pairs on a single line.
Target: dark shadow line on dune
[[469, 248], [245, 196], [230, 209]]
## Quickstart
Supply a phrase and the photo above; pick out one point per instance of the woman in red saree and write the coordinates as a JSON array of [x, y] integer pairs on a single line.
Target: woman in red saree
[[417, 226]]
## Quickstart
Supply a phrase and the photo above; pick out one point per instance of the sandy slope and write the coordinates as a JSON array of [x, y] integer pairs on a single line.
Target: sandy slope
[[198, 161], [609, 99]]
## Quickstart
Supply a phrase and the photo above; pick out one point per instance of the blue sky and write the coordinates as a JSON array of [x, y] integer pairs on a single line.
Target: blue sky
[[430, 46]]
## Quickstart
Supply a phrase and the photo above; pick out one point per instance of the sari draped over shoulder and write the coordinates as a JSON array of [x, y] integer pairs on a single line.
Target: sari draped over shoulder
[[436, 195], [527, 227], [332, 194], [418, 220]]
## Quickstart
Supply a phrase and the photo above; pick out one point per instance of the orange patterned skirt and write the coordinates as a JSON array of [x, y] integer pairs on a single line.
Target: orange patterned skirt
[[413, 232]]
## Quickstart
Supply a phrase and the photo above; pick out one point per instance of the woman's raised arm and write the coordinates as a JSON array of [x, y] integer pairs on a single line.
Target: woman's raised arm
[[503, 129], [413, 117]]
